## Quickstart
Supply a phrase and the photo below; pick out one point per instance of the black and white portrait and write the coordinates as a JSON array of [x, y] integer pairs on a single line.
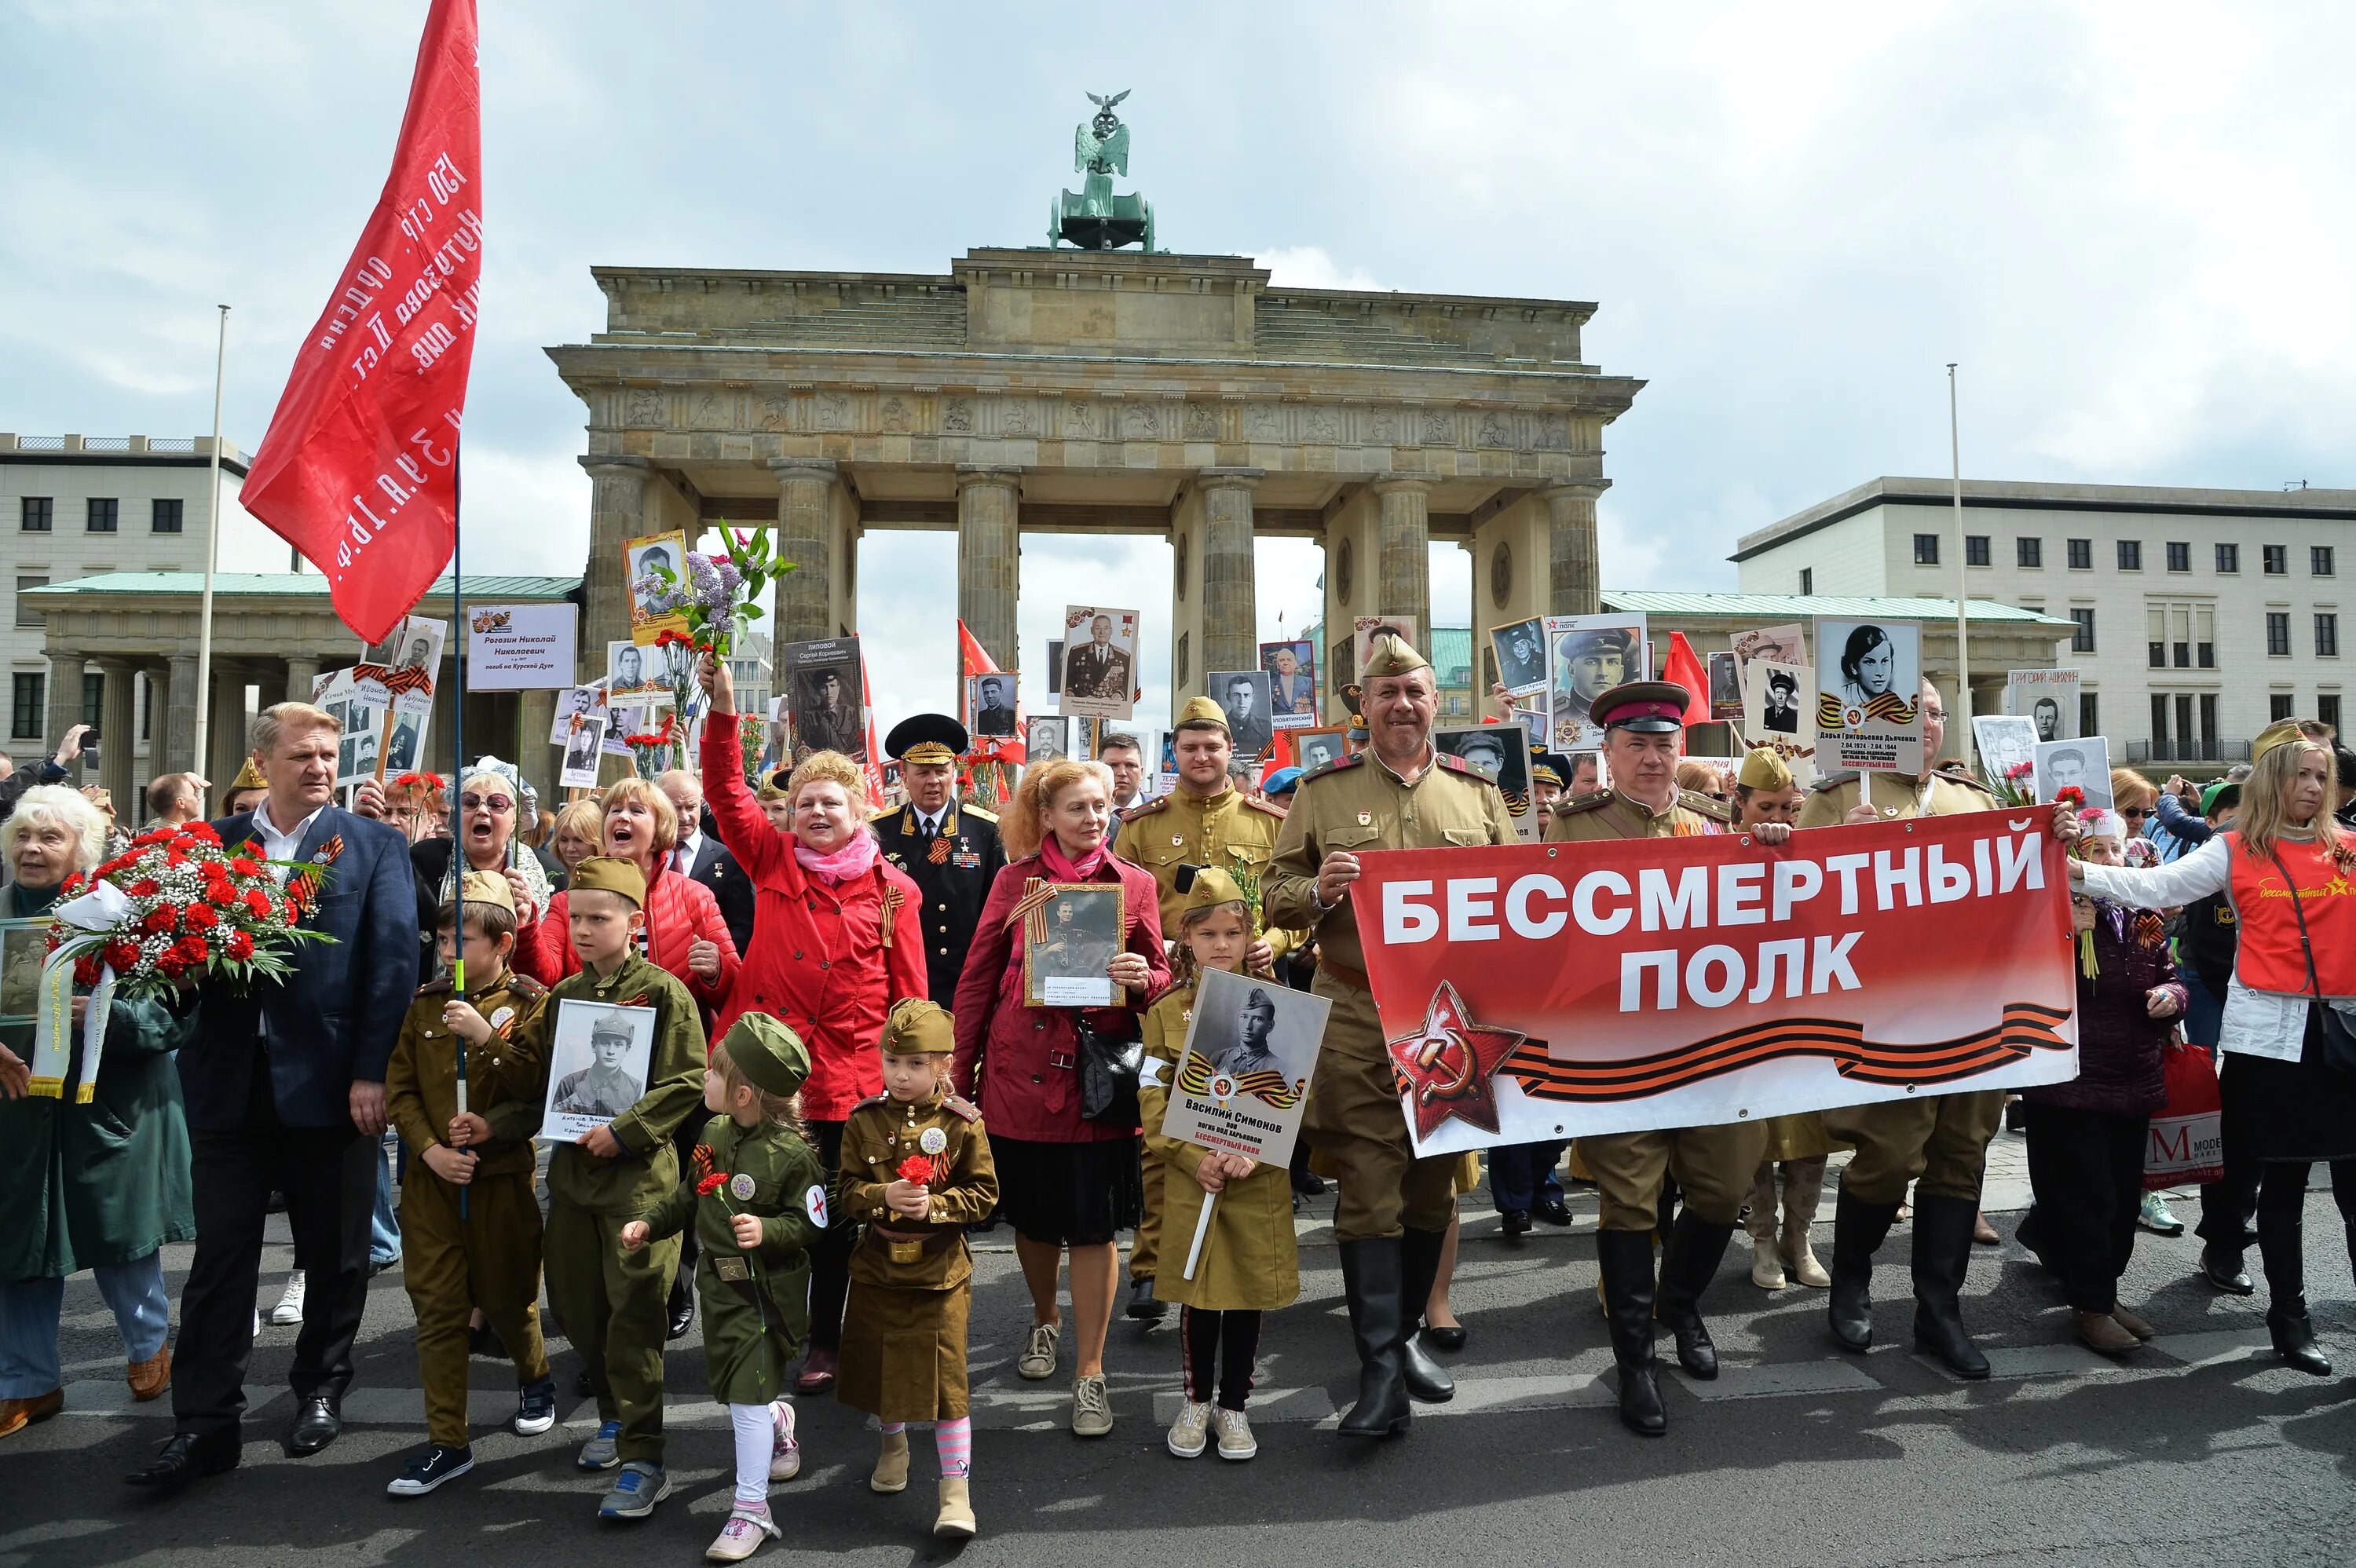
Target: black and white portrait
[[1499, 751], [1876, 672], [1318, 747], [406, 747], [2007, 742], [1725, 685], [599, 1055], [582, 746], [991, 700], [1521, 657], [636, 674], [2083, 765], [1048, 739], [1243, 695], [822, 686], [1780, 712], [1069, 944]]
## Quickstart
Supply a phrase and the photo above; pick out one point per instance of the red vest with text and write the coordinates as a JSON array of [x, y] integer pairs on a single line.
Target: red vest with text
[[2270, 958]]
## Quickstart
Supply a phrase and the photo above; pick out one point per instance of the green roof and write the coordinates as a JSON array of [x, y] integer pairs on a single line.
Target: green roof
[[1451, 654], [1772, 607], [486, 588]]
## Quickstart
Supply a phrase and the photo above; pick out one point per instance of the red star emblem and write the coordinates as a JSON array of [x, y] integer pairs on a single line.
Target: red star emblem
[[1449, 1064]]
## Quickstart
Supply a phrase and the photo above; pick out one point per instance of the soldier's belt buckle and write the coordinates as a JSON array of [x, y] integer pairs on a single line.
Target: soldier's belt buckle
[[906, 1252], [731, 1269]]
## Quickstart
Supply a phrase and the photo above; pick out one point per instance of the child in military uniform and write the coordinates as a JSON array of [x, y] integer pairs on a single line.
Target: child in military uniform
[[1249, 1263], [757, 1198], [469, 1220], [917, 1169], [613, 1298]]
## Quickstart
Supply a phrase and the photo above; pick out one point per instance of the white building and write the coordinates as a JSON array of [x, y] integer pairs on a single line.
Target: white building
[[76, 506], [2202, 615]]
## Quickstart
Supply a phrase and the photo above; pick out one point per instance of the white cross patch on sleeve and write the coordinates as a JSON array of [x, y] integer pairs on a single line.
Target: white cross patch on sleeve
[[814, 1201]]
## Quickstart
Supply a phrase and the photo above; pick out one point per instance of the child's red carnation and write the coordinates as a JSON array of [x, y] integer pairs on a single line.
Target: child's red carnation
[[710, 1184], [917, 1170]]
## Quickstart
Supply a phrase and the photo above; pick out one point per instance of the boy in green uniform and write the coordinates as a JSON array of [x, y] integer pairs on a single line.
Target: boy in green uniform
[[612, 1300], [757, 1197], [469, 1221]]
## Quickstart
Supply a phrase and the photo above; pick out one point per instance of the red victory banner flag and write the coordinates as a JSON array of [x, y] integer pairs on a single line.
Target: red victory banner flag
[[1532, 992], [359, 469]]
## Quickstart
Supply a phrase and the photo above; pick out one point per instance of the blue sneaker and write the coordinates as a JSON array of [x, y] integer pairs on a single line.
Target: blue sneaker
[[598, 1453], [536, 1409], [635, 1491]]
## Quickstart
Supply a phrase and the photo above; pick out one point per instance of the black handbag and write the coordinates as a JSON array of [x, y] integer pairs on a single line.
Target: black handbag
[[2329, 1042], [1108, 1070]]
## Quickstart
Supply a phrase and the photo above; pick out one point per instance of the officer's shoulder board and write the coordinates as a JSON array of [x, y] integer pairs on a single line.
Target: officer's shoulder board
[[1702, 805], [1139, 813], [1595, 801], [435, 988], [978, 813], [524, 986], [1266, 809], [887, 814], [1833, 780], [1456, 764], [871, 1100], [1332, 765], [963, 1109]]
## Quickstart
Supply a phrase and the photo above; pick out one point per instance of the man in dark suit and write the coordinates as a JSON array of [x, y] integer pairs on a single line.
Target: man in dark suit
[[284, 1086], [1096, 668], [701, 856], [948, 849]]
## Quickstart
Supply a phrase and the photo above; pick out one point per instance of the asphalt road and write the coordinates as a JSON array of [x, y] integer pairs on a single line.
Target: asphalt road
[[2197, 1450]]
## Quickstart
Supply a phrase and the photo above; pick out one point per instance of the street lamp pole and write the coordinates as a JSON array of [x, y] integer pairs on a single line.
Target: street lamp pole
[[212, 556], [1963, 728]]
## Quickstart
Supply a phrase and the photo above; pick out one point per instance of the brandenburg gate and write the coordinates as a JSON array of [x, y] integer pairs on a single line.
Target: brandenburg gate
[[1054, 390]]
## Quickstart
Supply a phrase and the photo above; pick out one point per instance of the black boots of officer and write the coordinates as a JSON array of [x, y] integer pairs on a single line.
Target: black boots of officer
[[1687, 1265], [1419, 1252], [1942, 1252], [1371, 1280], [1858, 1227], [1626, 1260]]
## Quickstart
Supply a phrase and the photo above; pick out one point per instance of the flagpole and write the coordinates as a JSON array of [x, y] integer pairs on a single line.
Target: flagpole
[[1963, 646], [197, 763], [458, 759]]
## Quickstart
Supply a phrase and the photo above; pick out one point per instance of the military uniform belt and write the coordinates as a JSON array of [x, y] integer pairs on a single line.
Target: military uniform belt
[[1353, 978], [906, 1248]]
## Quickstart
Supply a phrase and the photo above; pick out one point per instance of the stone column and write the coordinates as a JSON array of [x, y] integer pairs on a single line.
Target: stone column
[[66, 671], [301, 669], [1403, 540], [1573, 586], [226, 738], [1230, 605], [988, 568], [178, 701], [118, 730], [618, 513], [805, 537]]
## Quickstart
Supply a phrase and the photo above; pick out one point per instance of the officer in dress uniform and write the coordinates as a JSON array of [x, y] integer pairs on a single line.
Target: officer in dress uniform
[[1938, 1141], [1205, 822], [949, 850], [1391, 1219], [1644, 728]]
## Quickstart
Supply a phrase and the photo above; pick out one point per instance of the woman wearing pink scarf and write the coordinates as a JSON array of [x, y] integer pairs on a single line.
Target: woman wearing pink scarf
[[1064, 1182], [836, 941]]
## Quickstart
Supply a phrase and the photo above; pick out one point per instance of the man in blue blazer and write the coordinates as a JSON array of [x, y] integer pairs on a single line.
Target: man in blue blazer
[[284, 1087]]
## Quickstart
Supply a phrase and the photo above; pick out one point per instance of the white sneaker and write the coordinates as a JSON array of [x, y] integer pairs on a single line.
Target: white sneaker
[[1091, 1407], [1189, 1435], [1236, 1439], [289, 1310], [1038, 1359]]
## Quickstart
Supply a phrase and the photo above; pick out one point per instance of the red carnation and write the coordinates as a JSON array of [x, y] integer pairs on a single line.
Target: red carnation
[[245, 866], [196, 947], [70, 886], [202, 917], [153, 836], [121, 956], [917, 1169], [171, 964], [241, 947], [258, 904], [86, 969], [160, 918], [710, 1184], [202, 832], [2070, 796], [144, 888]]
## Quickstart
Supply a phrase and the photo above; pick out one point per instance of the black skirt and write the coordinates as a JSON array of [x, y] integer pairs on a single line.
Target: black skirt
[[2295, 1111], [1074, 1195]]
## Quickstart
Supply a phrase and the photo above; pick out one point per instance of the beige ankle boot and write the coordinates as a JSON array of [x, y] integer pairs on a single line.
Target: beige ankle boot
[[956, 1517], [1766, 1268], [891, 1466], [1804, 1187]]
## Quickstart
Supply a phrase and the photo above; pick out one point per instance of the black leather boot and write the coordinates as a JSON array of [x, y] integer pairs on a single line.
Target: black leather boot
[[1942, 1252], [1625, 1259], [1370, 1279], [1696, 1248], [1858, 1227], [1419, 1250], [2294, 1336]]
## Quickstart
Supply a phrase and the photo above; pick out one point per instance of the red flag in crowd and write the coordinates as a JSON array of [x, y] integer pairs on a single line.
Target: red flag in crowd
[[974, 659], [1685, 666], [874, 766], [359, 469]]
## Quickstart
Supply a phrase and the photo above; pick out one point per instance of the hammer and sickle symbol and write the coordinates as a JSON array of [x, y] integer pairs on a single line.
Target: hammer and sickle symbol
[[1432, 1053]]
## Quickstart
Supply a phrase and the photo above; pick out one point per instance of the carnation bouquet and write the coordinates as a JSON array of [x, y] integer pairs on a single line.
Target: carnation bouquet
[[176, 907], [2017, 785], [654, 751]]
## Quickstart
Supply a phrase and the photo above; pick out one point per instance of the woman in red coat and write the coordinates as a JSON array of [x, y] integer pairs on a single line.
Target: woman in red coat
[[837, 939], [1064, 1182]]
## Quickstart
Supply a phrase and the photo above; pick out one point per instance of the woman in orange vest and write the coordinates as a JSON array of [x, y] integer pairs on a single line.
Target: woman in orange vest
[[2290, 873]]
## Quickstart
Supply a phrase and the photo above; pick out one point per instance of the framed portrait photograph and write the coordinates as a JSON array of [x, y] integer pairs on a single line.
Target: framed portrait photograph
[[598, 1058], [1778, 645], [822, 690], [1725, 685], [636, 677], [356, 755], [655, 568], [1049, 736], [1520, 649], [1364, 629], [2008, 746], [1778, 714], [1055, 667], [24, 947], [1501, 753], [400, 670], [2083, 763], [1587, 656], [404, 746], [2048, 698], [1868, 696], [1242, 695], [1099, 662], [990, 705], [1315, 748], [1069, 942], [583, 746], [1243, 1078], [1291, 682]]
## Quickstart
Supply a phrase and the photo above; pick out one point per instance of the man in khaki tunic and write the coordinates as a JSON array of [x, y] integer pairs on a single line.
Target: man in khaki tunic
[[1938, 1141], [1206, 821], [1392, 1216], [1643, 735]]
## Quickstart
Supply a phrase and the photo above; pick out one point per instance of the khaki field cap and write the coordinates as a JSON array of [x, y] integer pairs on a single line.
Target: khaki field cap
[[1392, 655], [1763, 769], [919, 1028], [487, 888], [769, 1056], [1201, 711], [605, 873]]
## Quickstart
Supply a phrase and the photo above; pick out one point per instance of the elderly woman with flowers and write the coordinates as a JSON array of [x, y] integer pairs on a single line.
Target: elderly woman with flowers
[[102, 1183]]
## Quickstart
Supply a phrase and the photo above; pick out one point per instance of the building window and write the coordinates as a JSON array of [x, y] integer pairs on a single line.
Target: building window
[[2278, 634], [28, 617], [2081, 555], [2179, 555], [2326, 709], [2130, 555], [2319, 560], [102, 510], [2154, 636], [27, 697], [2184, 738], [2028, 552], [1976, 549], [2326, 636], [2277, 559], [2083, 640], [2159, 723], [1926, 550], [166, 518], [2209, 726], [2182, 637], [39, 509], [2229, 558], [2090, 713], [147, 710], [1807, 581], [2278, 704], [93, 697]]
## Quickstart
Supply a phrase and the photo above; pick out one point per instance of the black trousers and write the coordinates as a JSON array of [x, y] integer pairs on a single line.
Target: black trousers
[[1220, 1352], [829, 1255], [682, 1284], [2282, 1209], [329, 1175], [2086, 1169], [2228, 1206]]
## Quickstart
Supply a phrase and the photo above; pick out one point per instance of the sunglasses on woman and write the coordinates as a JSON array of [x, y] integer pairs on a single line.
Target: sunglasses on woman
[[487, 802]]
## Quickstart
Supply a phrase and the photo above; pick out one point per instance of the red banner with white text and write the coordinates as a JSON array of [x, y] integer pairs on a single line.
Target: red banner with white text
[[1532, 992], [358, 470]]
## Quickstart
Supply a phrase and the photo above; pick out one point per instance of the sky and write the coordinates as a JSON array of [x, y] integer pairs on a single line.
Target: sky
[[2129, 229]]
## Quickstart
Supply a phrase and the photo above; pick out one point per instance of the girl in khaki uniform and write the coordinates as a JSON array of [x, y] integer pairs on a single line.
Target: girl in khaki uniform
[[916, 1172], [1249, 1263]]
